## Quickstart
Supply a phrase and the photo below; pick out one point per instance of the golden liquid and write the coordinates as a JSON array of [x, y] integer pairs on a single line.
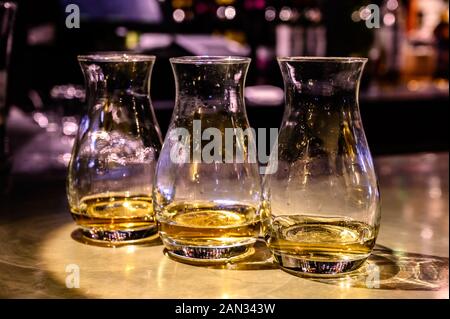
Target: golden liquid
[[115, 212], [321, 239], [209, 223]]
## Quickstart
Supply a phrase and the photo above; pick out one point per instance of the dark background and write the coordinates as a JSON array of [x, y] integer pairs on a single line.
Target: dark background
[[406, 112]]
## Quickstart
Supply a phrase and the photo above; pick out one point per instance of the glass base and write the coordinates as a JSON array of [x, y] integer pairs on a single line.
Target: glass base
[[306, 267], [204, 254], [119, 237]]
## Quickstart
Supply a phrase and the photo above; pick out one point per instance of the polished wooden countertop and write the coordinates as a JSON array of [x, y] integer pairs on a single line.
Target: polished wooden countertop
[[39, 250]]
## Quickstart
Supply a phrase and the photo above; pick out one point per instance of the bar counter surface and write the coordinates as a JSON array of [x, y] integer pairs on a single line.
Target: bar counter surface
[[40, 252]]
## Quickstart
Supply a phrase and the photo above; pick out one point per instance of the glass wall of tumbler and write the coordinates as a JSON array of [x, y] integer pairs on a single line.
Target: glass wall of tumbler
[[208, 193], [324, 197], [109, 184]]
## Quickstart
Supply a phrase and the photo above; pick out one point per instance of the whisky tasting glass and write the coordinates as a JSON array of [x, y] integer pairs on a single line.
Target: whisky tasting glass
[[113, 160], [208, 191], [324, 197]]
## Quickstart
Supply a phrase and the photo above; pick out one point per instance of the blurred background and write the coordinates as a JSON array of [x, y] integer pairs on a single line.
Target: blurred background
[[405, 90]]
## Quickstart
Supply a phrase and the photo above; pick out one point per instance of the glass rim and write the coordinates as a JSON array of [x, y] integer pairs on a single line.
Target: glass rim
[[209, 59], [323, 59], [116, 57]]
